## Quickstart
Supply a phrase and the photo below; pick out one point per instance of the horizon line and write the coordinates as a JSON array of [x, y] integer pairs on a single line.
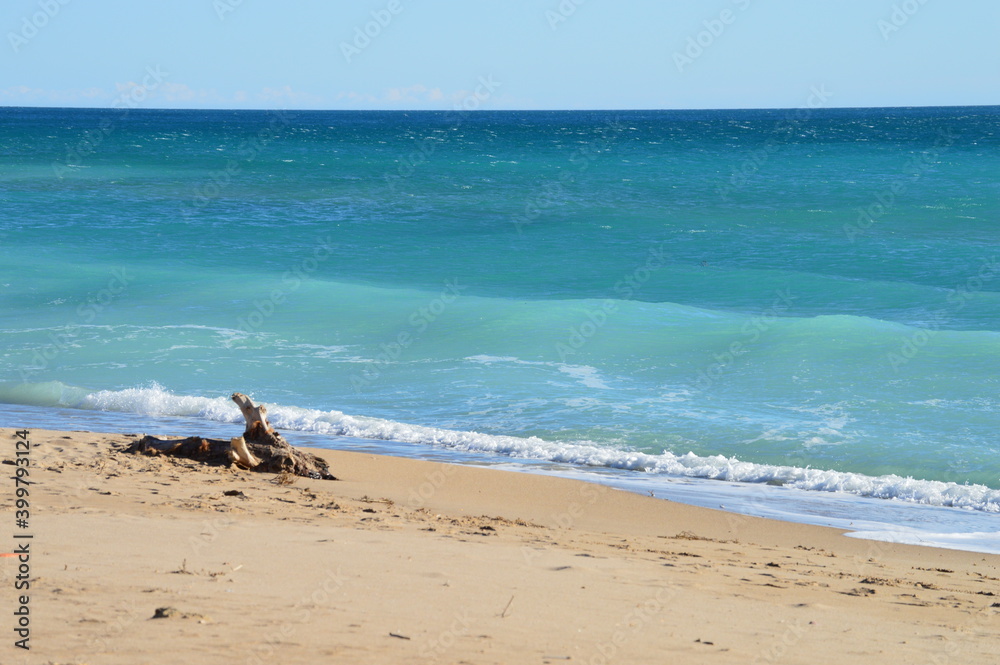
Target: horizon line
[[526, 110]]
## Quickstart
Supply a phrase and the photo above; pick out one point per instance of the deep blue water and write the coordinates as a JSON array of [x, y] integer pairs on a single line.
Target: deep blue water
[[798, 296]]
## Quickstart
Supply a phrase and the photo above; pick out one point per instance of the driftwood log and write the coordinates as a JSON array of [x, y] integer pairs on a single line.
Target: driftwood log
[[260, 448]]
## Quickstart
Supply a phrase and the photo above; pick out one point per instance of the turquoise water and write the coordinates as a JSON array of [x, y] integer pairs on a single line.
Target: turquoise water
[[804, 297]]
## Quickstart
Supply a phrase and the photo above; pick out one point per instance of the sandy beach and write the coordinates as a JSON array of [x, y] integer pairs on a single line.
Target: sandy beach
[[405, 561]]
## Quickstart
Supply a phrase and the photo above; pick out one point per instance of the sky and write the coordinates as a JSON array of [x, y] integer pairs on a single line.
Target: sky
[[499, 54]]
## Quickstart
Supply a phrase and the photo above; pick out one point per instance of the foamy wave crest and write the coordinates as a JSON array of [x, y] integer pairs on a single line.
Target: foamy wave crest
[[156, 401]]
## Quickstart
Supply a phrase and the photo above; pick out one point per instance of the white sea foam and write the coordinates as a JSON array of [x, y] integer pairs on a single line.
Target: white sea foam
[[976, 541], [588, 376], [154, 400]]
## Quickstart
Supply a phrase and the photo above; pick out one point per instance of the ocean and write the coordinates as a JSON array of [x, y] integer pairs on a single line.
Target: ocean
[[792, 313]]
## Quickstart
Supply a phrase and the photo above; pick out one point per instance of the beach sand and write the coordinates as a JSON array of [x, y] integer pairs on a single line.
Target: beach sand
[[405, 561]]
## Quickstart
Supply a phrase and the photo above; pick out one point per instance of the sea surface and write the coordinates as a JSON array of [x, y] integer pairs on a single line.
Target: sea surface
[[786, 312]]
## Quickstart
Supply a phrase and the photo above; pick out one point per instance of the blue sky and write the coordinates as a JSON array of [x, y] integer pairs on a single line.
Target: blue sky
[[499, 54]]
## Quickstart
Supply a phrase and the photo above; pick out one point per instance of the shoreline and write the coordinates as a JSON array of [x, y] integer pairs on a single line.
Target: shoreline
[[920, 520], [414, 561]]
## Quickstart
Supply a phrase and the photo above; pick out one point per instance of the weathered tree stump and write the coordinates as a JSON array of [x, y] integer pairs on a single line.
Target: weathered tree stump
[[260, 448]]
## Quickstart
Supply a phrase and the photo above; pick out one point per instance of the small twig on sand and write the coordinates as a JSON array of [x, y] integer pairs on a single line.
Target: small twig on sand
[[503, 615]]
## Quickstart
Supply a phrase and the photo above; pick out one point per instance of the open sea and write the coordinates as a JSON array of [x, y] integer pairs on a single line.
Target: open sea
[[790, 313]]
